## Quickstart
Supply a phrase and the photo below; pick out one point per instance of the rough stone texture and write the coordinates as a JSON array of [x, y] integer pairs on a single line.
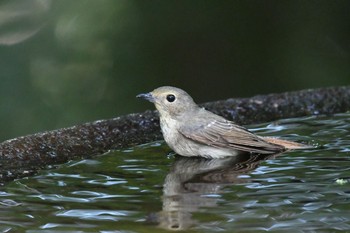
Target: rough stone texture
[[23, 156], [263, 108]]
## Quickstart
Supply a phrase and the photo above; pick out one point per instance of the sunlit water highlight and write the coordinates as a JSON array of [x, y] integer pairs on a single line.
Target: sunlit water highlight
[[144, 189]]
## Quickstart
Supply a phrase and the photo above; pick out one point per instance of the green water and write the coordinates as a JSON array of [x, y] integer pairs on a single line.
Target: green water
[[146, 189]]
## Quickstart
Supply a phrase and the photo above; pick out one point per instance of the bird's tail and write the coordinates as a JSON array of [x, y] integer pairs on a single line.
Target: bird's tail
[[289, 145]]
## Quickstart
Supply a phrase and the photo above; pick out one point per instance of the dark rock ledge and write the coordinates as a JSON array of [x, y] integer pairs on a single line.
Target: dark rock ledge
[[24, 156]]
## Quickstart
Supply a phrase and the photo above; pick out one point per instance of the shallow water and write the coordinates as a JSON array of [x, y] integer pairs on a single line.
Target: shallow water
[[146, 189]]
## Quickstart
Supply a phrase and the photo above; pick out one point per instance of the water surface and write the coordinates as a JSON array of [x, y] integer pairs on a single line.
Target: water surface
[[146, 189]]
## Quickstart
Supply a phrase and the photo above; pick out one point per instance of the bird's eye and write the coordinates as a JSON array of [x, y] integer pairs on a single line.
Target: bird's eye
[[170, 98]]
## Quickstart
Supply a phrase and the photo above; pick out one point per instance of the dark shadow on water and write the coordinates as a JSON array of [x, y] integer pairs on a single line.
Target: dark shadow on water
[[193, 183]]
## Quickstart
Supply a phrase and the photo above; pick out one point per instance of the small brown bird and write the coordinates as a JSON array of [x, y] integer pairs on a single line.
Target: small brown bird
[[193, 131]]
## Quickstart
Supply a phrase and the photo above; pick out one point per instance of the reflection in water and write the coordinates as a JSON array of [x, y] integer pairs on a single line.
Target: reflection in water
[[192, 183]]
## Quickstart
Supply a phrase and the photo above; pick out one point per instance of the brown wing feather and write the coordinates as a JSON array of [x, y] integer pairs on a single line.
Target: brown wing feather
[[226, 134]]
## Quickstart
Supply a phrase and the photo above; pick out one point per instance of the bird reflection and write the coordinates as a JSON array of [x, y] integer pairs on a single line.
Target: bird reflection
[[192, 183]]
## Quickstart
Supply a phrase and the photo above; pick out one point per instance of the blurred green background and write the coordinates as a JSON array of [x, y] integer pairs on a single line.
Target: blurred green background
[[67, 62]]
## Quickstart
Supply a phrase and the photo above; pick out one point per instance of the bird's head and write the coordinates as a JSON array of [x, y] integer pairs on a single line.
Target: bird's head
[[170, 101]]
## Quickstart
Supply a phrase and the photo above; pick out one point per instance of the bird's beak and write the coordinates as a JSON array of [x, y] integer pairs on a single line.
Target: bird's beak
[[146, 96]]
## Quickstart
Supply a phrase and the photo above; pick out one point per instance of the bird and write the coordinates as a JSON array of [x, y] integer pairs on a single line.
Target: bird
[[192, 131]]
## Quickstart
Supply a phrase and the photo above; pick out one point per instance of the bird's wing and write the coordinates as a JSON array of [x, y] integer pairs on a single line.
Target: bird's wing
[[225, 134]]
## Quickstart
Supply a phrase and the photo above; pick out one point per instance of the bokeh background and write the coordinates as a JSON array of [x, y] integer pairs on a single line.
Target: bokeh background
[[68, 62]]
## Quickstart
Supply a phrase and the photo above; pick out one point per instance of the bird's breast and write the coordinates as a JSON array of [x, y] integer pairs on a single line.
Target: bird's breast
[[175, 140], [169, 128]]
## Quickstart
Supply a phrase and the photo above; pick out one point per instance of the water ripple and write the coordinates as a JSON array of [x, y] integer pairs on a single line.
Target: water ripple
[[144, 188]]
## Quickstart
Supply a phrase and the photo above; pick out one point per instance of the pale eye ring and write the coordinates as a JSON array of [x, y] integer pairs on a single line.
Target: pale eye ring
[[170, 98]]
